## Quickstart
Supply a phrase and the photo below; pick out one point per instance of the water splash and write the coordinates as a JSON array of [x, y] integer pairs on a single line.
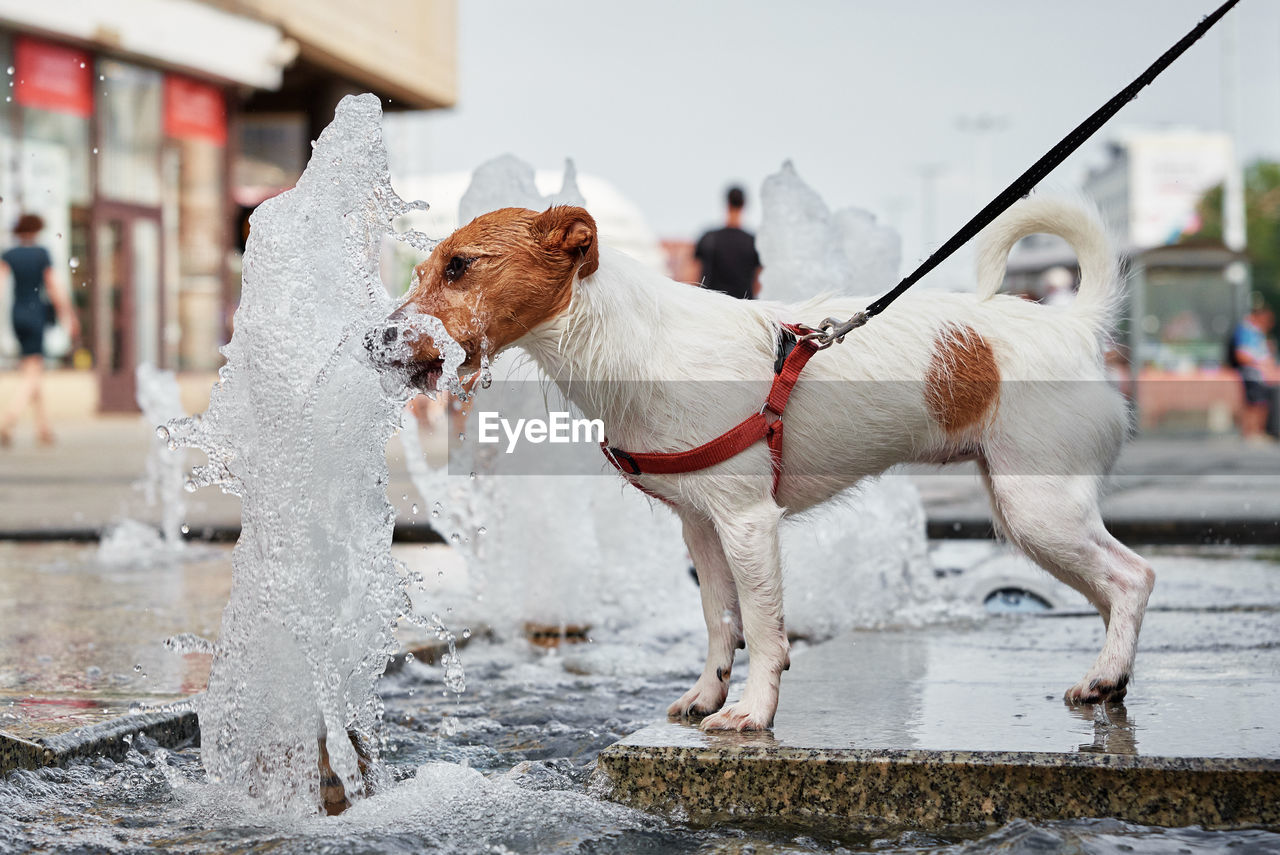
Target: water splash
[[134, 542], [808, 249], [161, 401], [297, 427]]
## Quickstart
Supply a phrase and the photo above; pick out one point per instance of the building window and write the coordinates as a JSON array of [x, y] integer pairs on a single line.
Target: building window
[[130, 107], [46, 150]]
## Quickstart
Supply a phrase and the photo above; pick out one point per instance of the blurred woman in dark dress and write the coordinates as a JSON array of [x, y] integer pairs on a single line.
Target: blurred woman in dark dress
[[35, 289]]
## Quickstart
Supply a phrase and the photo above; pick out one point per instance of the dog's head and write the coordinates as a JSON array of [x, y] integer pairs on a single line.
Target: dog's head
[[494, 280]]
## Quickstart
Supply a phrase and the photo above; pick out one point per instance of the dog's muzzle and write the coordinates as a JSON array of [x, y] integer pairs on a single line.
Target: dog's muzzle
[[390, 350]]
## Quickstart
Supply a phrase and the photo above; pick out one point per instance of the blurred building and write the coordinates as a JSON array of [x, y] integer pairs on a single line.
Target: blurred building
[[1150, 186], [143, 131], [1183, 294]]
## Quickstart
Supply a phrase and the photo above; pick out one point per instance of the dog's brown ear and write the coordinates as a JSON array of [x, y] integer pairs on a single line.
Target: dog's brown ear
[[571, 230]]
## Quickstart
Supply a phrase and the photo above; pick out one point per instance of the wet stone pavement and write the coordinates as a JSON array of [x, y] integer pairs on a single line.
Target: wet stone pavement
[[964, 713], [82, 642], [83, 639]]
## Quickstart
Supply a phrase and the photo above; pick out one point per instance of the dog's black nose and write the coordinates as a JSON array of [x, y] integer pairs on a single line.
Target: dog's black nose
[[378, 339], [382, 338]]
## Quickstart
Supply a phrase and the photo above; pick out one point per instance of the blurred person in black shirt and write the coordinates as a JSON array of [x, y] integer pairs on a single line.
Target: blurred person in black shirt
[[728, 255]]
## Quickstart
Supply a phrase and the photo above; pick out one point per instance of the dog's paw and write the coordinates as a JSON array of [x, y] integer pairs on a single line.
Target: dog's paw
[[701, 700], [738, 717], [1098, 690]]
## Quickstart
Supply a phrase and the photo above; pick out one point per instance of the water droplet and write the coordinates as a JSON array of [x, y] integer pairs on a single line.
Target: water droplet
[[95, 149], [439, 574], [482, 530], [73, 262], [9, 71], [473, 476], [190, 485], [58, 234], [414, 508], [466, 633], [455, 538], [435, 510], [127, 739], [138, 667], [186, 529], [462, 437], [162, 432], [455, 679], [449, 725]]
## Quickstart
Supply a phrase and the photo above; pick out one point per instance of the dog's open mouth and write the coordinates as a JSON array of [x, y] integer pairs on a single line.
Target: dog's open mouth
[[425, 376]]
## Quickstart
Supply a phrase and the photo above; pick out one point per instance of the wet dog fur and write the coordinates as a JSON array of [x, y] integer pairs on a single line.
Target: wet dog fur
[[1017, 386]]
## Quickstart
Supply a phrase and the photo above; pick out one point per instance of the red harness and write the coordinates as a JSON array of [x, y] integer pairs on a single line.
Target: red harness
[[792, 356]]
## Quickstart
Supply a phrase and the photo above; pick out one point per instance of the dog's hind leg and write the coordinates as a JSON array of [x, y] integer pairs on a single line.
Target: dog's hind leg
[[719, 609], [749, 538], [1055, 520]]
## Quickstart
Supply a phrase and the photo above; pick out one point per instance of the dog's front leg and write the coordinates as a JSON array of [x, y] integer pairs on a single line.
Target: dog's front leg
[[719, 609], [749, 539]]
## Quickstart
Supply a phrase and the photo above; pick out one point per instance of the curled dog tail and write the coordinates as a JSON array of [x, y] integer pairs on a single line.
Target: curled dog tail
[[1078, 223]]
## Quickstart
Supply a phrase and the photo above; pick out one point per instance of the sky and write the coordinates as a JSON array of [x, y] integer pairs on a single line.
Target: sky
[[673, 101]]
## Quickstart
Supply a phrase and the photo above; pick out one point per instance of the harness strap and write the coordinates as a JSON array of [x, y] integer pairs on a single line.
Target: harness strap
[[792, 356]]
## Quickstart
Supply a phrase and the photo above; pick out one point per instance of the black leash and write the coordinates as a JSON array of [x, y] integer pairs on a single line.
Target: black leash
[[833, 330]]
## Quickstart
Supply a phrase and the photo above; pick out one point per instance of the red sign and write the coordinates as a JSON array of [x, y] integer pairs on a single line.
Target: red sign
[[194, 110], [52, 77]]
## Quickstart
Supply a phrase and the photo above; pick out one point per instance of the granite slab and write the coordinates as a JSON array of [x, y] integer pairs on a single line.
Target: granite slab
[[965, 724]]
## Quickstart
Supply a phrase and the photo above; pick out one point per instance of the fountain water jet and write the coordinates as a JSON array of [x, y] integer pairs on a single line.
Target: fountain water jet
[[297, 427], [133, 542]]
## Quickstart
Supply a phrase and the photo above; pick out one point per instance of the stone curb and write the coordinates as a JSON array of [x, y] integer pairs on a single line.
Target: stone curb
[[1173, 532], [404, 533], [876, 790], [170, 728], [1137, 531]]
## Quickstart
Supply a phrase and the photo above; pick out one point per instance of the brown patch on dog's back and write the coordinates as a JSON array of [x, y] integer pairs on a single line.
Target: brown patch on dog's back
[[963, 381]]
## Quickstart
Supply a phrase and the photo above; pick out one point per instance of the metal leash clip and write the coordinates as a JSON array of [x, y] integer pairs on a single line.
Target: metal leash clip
[[832, 330]]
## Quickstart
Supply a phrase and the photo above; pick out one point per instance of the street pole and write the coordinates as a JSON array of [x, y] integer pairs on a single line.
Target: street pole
[[983, 126], [929, 173]]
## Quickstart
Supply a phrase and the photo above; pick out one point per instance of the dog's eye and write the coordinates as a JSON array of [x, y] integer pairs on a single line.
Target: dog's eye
[[457, 266]]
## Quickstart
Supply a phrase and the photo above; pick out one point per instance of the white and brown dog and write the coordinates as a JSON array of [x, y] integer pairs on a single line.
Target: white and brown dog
[[1017, 386]]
